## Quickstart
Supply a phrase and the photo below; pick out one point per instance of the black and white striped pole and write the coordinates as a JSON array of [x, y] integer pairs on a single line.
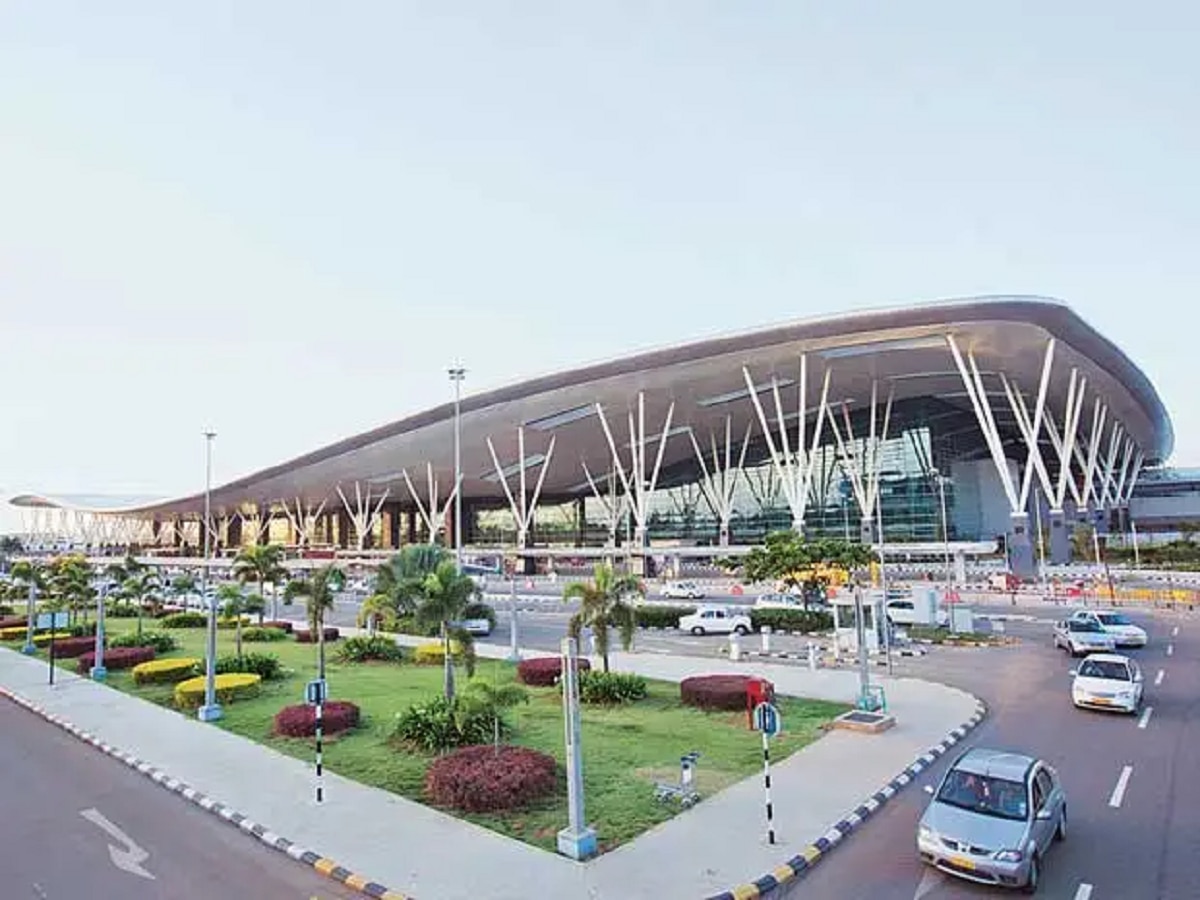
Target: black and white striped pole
[[767, 722], [314, 694]]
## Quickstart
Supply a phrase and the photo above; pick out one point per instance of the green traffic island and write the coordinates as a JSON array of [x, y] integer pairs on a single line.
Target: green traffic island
[[494, 754], [927, 634]]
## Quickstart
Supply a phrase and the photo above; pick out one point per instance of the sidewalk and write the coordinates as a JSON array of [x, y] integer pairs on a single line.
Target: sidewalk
[[410, 848]]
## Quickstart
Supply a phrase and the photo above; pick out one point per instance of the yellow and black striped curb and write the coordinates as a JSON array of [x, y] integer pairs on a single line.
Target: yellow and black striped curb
[[798, 865], [325, 866]]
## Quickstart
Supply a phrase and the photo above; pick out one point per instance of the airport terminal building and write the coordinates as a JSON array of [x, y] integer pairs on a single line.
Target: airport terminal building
[[969, 420]]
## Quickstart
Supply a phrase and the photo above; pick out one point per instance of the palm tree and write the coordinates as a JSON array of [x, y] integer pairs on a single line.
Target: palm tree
[[602, 605], [402, 578], [492, 699], [233, 603], [446, 593], [139, 583], [33, 576], [261, 563], [318, 590], [377, 610]]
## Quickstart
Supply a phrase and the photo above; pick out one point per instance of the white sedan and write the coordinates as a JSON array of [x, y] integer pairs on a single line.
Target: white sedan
[[682, 590], [715, 620], [779, 601], [1119, 625], [1107, 681]]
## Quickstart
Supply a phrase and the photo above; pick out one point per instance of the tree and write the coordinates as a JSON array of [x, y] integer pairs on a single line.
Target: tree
[[375, 611], [602, 605], [445, 594], [787, 558], [138, 583], [10, 545], [317, 590], [69, 583], [402, 578], [491, 700], [233, 604], [264, 564]]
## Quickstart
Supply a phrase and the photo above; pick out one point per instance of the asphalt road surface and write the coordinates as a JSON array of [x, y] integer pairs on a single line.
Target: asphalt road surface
[[75, 823], [1142, 845]]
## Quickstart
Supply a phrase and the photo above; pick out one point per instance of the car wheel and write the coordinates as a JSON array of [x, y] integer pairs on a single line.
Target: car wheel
[[742, 630], [1034, 878], [1060, 834], [698, 631]]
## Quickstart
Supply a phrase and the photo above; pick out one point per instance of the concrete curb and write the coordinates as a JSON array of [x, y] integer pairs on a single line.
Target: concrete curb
[[321, 864], [798, 865]]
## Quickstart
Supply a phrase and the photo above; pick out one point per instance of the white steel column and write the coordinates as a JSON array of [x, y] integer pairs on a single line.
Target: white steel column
[[427, 513], [523, 506], [638, 487], [303, 519], [862, 458], [362, 513], [720, 482], [1065, 448], [611, 502], [794, 470]]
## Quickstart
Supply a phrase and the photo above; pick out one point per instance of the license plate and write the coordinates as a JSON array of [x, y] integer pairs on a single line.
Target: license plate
[[962, 862], [1102, 701]]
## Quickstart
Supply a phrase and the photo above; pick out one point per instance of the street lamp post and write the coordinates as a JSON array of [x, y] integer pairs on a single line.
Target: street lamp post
[[941, 483], [98, 672], [457, 374], [211, 710]]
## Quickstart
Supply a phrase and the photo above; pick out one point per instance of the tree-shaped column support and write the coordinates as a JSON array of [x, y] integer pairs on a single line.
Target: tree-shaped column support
[[523, 506], [720, 481], [433, 515], [362, 514], [862, 458], [639, 486], [303, 517]]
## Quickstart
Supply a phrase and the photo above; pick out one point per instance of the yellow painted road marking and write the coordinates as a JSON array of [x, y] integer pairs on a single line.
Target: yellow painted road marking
[[811, 853], [745, 892], [324, 866], [357, 882], [784, 873]]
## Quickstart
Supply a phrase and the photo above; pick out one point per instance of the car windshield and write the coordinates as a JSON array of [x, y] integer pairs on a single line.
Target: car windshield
[[1115, 619], [1104, 668], [983, 794], [1077, 625]]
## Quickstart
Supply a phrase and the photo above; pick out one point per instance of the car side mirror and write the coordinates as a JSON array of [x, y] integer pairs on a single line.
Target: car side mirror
[[1073, 672], [1044, 813], [929, 789]]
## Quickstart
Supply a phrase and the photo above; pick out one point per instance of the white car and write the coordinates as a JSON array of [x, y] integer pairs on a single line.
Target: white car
[[682, 590], [904, 612], [1107, 681], [1119, 625], [1079, 637], [715, 620], [779, 601]]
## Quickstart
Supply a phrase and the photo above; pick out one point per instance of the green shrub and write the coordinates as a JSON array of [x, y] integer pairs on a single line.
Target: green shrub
[[366, 649], [610, 688], [661, 616], [265, 665], [184, 620], [161, 642], [791, 619], [121, 611], [439, 724], [263, 635], [5, 609], [479, 611], [409, 625], [230, 622], [83, 630], [165, 671]]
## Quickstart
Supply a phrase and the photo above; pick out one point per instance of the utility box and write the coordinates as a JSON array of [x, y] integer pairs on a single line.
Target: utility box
[[962, 619], [925, 605], [758, 690]]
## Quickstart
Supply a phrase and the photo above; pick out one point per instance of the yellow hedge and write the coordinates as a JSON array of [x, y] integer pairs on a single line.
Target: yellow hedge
[[434, 652], [229, 687], [164, 671], [225, 622], [12, 634], [43, 639]]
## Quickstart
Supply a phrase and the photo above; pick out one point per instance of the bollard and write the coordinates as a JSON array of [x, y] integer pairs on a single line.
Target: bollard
[[735, 648], [812, 656], [766, 638]]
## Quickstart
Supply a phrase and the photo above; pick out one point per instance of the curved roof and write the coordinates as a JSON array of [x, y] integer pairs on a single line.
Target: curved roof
[[904, 347]]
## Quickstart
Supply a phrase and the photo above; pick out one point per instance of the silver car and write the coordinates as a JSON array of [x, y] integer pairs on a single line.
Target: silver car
[[992, 819], [1079, 637]]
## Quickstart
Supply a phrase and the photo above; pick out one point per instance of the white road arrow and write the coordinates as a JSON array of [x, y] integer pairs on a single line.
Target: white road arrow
[[128, 858], [930, 880]]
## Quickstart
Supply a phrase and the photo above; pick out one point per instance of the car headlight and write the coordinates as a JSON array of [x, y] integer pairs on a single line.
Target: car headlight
[[1008, 856], [926, 833]]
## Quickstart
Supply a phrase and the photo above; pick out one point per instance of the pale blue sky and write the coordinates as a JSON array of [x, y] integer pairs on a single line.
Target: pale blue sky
[[286, 219]]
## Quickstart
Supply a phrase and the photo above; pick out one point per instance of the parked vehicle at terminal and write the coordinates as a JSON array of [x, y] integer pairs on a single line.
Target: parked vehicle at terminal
[[715, 620], [1079, 638], [777, 600], [682, 590], [1125, 633], [905, 612], [1107, 681], [993, 818]]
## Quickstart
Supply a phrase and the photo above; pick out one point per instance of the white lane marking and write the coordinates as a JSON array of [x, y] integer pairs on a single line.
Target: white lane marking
[[1170, 649], [1175, 631], [1118, 793], [1084, 891], [1159, 677], [930, 880], [128, 858], [1145, 719]]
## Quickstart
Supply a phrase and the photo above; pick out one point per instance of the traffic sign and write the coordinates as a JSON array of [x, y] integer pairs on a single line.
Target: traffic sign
[[315, 692], [51, 620], [767, 719]]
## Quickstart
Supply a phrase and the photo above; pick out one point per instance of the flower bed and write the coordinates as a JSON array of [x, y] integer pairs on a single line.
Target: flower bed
[[434, 653], [14, 633], [165, 671], [545, 671], [69, 648], [486, 778], [304, 636], [282, 624], [233, 686], [301, 720], [714, 691], [12, 622], [116, 658], [43, 639]]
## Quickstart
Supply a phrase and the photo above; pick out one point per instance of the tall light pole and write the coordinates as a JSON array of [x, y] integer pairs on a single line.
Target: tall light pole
[[941, 483], [457, 374], [211, 710]]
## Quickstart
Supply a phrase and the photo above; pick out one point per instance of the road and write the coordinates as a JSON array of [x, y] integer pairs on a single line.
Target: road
[[65, 804], [1143, 848]]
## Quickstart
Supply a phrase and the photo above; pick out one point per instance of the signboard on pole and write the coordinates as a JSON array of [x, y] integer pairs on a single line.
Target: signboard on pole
[[315, 692], [767, 719], [51, 620]]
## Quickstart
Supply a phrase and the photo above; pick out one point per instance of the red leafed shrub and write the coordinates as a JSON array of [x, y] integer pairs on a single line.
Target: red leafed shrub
[[115, 658], [13, 622], [301, 720], [480, 779], [714, 691], [545, 671], [304, 636], [281, 624], [69, 648]]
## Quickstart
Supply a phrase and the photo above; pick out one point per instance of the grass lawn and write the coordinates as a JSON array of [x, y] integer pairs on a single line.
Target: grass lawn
[[625, 748]]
